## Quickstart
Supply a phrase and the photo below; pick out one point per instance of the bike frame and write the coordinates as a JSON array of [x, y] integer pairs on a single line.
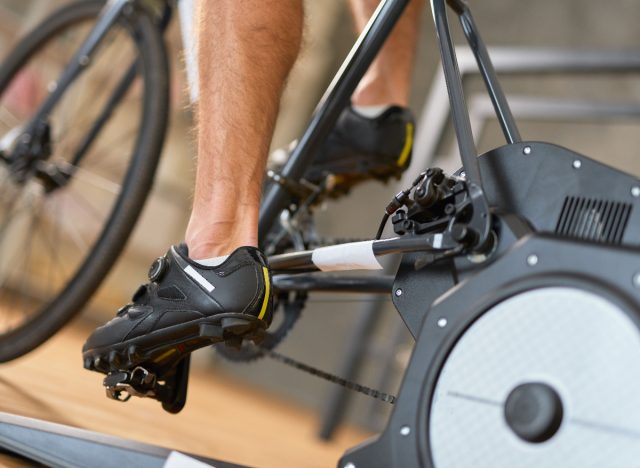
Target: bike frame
[[293, 269]]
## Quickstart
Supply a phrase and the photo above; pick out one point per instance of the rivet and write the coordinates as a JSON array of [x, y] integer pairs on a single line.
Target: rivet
[[52, 86], [527, 150], [442, 322], [405, 430], [636, 280], [398, 292], [635, 191], [532, 260], [349, 465], [84, 60], [577, 164], [463, 175]]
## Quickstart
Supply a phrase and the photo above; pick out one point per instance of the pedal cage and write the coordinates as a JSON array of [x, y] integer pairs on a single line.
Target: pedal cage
[[170, 389]]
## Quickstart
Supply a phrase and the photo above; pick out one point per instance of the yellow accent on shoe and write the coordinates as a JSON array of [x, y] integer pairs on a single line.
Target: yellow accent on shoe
[[408, 144], [267, 291], [166, 354]]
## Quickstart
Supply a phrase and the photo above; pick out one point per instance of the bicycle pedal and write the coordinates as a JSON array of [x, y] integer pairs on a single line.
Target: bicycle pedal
[[122, 385], [169, 388]]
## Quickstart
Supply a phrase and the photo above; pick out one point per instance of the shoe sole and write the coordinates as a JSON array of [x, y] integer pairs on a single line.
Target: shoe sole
[[162, 348], [343, 181]]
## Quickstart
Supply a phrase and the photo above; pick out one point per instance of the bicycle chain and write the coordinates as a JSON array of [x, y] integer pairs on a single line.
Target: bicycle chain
[[254, 351], [356, 387], [348, 384]]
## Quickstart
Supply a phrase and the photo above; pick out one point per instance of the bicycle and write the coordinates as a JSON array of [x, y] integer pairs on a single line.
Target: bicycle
[[47, 294], [60, 149], [486, 249], [530, 235]]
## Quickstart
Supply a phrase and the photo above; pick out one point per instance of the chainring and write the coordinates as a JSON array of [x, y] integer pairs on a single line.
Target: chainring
[[287, 310]]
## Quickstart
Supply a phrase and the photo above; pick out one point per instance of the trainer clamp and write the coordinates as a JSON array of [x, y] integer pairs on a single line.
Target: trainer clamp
[[452, 213]]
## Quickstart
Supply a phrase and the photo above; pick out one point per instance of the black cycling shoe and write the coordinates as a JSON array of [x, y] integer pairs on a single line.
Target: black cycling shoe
[[361, 148], [184, 307]]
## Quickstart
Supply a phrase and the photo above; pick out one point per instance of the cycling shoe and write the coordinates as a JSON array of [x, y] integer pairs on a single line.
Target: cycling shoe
[[361, 148], [185, 306]]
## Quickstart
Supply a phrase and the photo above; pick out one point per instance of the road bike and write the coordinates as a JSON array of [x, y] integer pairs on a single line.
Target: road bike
[[83, 115]]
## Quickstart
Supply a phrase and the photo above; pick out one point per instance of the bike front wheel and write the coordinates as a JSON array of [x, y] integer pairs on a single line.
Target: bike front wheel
[[69, 202]]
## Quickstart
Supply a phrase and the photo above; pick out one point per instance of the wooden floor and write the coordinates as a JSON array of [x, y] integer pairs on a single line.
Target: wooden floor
[[223, 419]]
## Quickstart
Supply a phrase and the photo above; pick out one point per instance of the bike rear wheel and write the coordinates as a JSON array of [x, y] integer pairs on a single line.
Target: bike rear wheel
[[66, 213]]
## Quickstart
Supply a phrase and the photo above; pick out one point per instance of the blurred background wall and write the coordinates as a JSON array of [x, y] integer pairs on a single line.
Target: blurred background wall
[[321, 337]]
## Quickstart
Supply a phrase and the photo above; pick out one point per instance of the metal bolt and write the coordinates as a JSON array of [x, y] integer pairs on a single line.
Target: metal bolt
[[635, 191], [527, 150], [442, 322], [449, 209], [52, 86], [398, 292], [349, 465], [636, 280], [577, 164], [532, 260], [405, 430], [84, 60], [463, 175]]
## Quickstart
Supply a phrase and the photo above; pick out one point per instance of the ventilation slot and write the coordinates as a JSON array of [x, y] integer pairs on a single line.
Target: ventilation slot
[[172, 293], [591, 219]]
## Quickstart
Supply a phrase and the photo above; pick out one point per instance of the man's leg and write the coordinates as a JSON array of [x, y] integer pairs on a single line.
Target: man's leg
[[373, 137], [388, 80], [246, 50]]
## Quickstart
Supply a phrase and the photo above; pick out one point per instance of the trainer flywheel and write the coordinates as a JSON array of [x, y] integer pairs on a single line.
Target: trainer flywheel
[[549, 377]]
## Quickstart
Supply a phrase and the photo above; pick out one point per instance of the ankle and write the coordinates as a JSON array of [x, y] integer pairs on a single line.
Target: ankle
[[216, 241], [207, 237], [380, 93], [206, 248]]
